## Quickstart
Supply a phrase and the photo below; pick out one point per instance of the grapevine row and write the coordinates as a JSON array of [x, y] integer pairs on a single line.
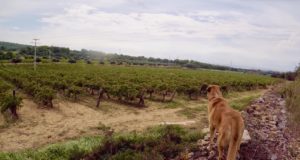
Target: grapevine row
[[127, 84]]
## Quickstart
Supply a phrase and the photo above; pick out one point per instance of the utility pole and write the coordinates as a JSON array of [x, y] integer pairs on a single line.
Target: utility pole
[[49, 51], [35, 40]]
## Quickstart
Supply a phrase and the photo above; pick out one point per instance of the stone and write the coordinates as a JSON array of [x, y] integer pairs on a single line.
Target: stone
[[246, 137], [206, 137], [262, 135], [261, 100], [205, 131], [255, 107], [184, 123], [273, 157], [204, 142], [265, 119], [211, 154], [256, 114], [249, 110], [190, 155]]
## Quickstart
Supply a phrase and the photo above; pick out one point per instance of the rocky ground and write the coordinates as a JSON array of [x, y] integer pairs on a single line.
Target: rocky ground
[[266, 119]]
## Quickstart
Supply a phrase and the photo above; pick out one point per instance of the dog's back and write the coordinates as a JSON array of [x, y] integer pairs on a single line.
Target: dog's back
[[227, 121]]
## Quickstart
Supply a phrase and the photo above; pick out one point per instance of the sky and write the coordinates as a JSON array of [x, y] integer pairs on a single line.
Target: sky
[[253, 34]]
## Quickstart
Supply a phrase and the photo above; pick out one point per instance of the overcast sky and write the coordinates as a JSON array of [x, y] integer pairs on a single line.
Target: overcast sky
[[258, 34]]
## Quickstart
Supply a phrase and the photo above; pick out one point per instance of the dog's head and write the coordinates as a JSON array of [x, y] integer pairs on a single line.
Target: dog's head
[[213, 91]]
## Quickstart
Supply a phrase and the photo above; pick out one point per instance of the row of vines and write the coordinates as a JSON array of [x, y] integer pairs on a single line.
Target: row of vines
[[124, 84], [8, 99]]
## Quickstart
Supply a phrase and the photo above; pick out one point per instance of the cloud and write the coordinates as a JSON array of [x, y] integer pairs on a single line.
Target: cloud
[[190, 25], [260, 36]]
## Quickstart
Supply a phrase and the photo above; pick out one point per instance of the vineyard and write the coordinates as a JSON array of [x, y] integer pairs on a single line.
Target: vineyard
[[78, 100], [130, 85]]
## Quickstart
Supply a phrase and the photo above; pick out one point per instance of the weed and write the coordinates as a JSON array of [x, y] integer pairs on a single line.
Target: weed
[[241, 103], [159, 143], [192, 112]]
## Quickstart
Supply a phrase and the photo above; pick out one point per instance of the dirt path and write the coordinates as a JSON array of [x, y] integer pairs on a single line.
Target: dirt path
[[67, 120], [266, 120]]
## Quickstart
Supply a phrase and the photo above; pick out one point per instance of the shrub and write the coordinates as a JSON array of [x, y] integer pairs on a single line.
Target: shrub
[[101, 62], [292, 93], [45, 95], [162, 142], [55, 60], [72, 61], [38, 60], [4, 86], [88, 62], [74, 91], [10, 102], [16, 60]]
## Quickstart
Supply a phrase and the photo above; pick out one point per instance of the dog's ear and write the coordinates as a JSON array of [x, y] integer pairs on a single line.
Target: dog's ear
[[208, 89]]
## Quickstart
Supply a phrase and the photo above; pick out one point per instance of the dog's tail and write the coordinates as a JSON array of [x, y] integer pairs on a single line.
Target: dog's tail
[[237, 130]]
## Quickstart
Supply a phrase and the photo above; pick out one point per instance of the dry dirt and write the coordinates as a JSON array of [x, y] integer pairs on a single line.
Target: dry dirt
[[67, 120], [38, 126]]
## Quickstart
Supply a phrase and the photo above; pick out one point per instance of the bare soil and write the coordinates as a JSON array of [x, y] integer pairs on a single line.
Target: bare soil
[[40, 126], [68, 120]]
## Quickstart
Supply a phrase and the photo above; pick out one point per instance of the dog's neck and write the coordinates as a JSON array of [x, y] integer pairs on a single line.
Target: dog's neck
[[214, 97]]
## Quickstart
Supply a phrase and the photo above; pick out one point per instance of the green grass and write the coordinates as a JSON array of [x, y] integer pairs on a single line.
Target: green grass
[[159, 142], [237, 100], [59, 151], [173, 104], [241, 103]]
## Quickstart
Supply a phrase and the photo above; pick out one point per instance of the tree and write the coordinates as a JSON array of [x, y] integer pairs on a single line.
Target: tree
[[2, 55], [2, 48], [9, 55]]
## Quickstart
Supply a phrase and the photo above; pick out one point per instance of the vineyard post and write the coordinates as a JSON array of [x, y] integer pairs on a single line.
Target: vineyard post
[[101, 91], [13, 109]]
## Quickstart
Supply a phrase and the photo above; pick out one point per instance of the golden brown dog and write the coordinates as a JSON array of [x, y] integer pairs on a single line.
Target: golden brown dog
[[228, 122]]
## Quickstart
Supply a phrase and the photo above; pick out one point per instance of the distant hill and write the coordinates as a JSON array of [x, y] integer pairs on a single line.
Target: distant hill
[[166, 62], [27, 51], [10, 50], [12, 46]]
